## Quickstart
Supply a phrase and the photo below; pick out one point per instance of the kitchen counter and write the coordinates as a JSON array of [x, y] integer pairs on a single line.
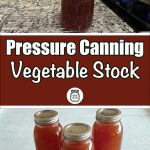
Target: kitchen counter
[[16, 126], [34, 16]]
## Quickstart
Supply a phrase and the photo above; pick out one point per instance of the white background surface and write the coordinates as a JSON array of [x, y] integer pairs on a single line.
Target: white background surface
[[16, 127]]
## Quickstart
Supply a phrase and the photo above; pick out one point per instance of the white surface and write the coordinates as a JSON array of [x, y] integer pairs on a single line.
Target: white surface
[[16, 127]]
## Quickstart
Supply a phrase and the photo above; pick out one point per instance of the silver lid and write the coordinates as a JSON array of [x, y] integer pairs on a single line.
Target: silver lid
[[46, 117], [108, 115], [145, 1], [77, 131]]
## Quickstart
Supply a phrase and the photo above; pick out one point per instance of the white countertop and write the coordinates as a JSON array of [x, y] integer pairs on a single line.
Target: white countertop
[[16, 127]]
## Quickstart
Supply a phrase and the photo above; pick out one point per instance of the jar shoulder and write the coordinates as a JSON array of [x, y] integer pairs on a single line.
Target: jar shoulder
[[117, 126]]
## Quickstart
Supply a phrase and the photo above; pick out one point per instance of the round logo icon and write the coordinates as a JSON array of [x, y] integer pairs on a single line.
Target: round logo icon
[[75, 95]]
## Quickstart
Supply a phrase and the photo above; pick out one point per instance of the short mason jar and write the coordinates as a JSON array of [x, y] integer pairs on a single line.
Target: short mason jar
[[77, 136], [108, 130], [47, 130]]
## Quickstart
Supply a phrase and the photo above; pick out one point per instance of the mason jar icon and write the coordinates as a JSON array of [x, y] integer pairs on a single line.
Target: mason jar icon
[[75, 96]]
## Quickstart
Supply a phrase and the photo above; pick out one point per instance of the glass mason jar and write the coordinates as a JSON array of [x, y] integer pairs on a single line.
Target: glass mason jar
[[77, 14], [107, 130], [47, 131], [77, 136]]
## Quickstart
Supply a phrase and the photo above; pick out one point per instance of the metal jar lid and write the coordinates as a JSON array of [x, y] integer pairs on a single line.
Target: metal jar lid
[[77, 132], [108, 115], [45, 117]]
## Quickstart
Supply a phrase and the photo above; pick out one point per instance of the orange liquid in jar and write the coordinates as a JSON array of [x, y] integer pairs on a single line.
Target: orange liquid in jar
[[77, 14], [107, 136], [48, 137], [78, 145], [47, 130]]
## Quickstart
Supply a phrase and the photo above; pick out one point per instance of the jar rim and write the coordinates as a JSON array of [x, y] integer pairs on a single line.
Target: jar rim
[[108, 115], [77, 132], [45, 117]]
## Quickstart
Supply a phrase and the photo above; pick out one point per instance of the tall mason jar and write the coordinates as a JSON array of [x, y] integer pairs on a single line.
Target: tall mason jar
[[108, 130], [47, 130]]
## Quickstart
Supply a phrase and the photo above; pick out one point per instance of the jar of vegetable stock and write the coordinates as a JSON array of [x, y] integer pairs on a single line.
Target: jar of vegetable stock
[[47, 131], [108, 130]]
